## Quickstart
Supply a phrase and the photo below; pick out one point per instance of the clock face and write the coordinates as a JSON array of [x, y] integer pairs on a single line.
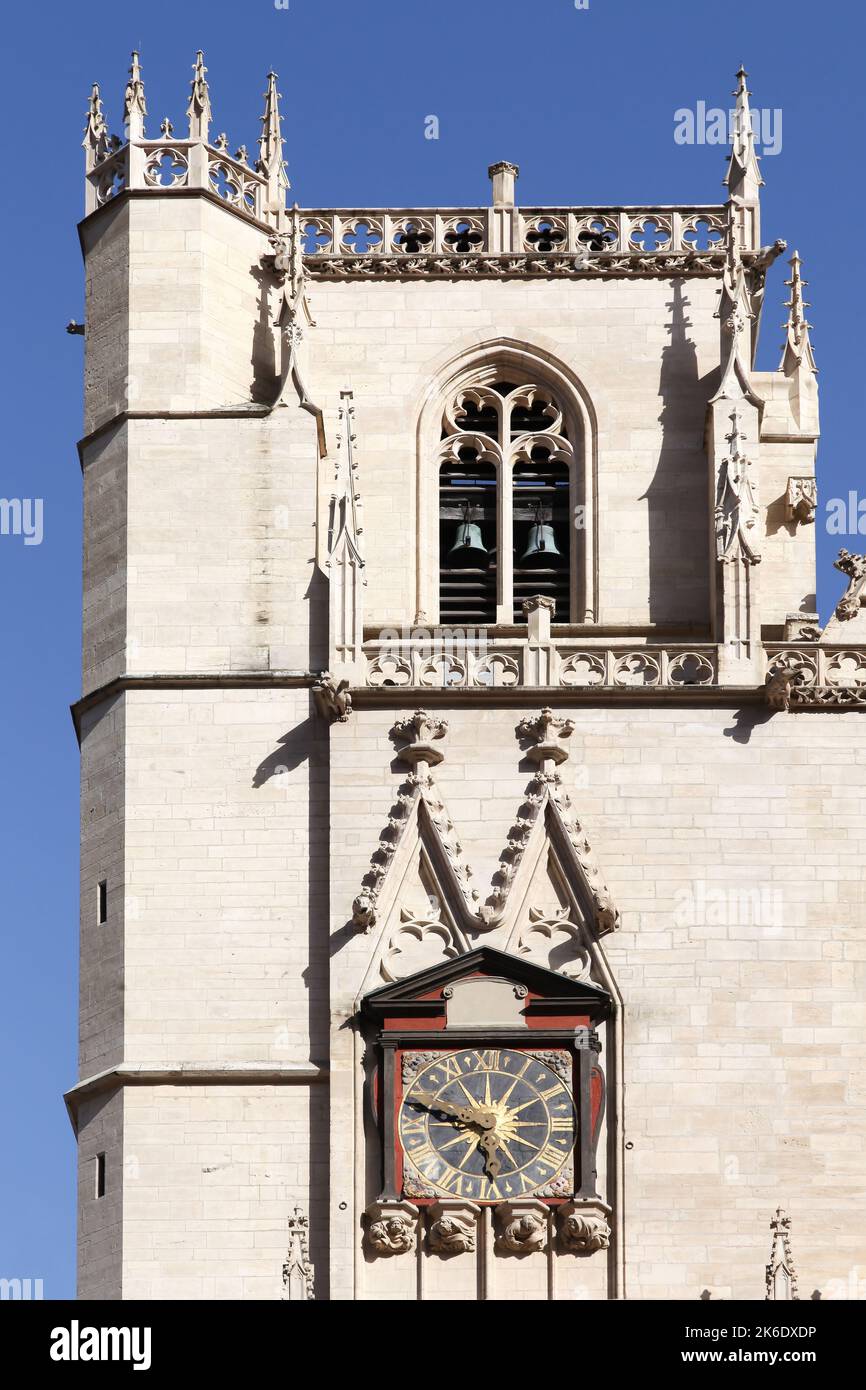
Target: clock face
[[487, 1124]]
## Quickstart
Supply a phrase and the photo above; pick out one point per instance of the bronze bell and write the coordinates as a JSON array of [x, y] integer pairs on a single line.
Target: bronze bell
[[541, 545], [468, 538]]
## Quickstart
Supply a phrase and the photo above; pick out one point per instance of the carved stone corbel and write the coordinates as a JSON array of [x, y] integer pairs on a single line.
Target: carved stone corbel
[[391, 1228], [801, 500], [521, 1226], [453, 1227], [583, 1227]]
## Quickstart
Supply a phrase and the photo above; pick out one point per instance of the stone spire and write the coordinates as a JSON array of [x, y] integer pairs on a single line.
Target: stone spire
[[95, 142], [271, 162], [781, 1275], [134, 109], [797, 350], [743, 179], [199, 111]]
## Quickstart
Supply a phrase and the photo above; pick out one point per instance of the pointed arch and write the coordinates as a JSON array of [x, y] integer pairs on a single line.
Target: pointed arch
[[483, 364]]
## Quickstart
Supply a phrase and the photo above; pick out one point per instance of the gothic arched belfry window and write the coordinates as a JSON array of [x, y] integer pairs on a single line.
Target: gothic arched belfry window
[[512, 501]]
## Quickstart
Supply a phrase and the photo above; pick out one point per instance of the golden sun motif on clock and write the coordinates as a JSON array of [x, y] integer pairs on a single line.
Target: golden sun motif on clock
[[488, 1124]]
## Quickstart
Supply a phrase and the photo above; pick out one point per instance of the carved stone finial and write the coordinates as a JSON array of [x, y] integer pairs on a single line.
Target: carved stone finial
[[199, 109], [391, 1228], [797, 348], [854, 567], [781, 1274], [297, 1270], [270, 161], [96, 141], [420, 729], [166, 129], [544, 731], [134, 108]]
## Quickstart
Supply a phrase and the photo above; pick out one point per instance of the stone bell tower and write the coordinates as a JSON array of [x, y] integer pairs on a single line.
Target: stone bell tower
[[465, 909]]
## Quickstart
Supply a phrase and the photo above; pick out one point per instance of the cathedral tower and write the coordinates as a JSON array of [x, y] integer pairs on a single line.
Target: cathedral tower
[[465, 908]]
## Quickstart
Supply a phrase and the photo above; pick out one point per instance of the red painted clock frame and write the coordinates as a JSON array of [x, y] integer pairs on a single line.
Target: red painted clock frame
[[555, 1013]]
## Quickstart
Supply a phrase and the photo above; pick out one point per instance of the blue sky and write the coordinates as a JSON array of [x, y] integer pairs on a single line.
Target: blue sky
[[582, 99]]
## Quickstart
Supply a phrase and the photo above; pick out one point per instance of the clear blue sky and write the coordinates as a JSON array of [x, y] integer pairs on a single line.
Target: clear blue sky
[[582, 100]]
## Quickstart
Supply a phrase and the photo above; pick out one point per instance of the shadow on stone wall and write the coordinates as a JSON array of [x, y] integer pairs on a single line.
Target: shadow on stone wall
[[677, 497]]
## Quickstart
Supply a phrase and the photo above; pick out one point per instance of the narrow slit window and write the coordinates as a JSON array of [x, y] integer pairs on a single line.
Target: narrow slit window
[[99, 1185], [102, 902]]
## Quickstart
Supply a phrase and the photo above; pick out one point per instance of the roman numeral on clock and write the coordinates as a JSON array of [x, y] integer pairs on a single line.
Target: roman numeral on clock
[[450, 1066], [550, 1158]]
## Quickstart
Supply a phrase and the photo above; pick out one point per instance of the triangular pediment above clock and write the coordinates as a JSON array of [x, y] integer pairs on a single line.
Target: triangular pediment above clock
[[418, 992]]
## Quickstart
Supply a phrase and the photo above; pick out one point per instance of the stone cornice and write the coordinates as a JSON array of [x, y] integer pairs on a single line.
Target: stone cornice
[[519, 696], [202, 680], [255, 410], [192, 1074]]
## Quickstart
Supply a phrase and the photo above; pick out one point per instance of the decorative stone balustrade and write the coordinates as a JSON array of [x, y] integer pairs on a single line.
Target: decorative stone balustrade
[[503, 663], [165, 165], [352, 242], [815, 675]]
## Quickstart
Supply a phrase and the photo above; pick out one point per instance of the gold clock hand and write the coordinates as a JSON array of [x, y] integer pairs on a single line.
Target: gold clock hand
[[489, 1145], [466, 1114]]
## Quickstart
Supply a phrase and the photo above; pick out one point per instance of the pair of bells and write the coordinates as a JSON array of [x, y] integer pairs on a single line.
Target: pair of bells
[[541, 544]]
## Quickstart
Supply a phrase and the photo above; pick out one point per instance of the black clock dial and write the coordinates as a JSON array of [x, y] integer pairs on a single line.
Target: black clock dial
[[488, 1124]]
